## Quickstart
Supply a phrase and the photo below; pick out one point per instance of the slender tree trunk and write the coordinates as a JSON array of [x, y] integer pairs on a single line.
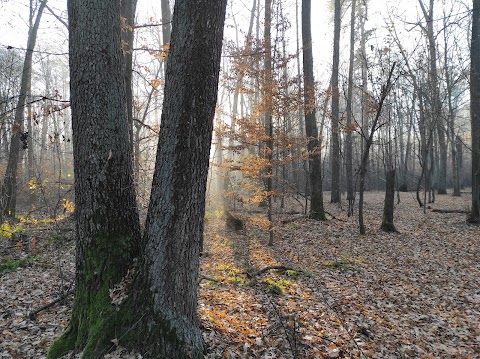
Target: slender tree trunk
[[475, 112], [368, 143], [166, 29], [238, 87], [30, 164], [435, 111], [335, 147], [313, 146], [268, 93], [166, 21], [451, 112], [350, 127], [459, 168], [297, 165], [408, 150], [389, 204], [128, 21], [9, 190]]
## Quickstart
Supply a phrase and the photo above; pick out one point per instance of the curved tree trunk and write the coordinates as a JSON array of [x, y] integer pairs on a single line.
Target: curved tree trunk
[[158, 316], [313, 146], [166, 292], [8, 195]]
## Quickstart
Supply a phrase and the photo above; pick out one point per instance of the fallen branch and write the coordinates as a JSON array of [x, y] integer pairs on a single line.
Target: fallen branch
[[335, 218], [204, 277], [62, 297], [292, 219], [266, 269], [450, 211]]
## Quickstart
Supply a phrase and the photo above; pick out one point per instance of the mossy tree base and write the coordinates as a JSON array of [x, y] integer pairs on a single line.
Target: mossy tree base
[[95, 320], [97, 331]]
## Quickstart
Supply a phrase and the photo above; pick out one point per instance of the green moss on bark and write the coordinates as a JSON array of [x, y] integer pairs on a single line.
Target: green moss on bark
[[95, 321]]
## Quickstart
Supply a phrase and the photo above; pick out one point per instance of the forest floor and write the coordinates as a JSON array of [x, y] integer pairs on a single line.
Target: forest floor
[[412, 294]]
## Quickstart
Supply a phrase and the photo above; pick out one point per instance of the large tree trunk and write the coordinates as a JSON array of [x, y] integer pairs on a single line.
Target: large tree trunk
[[107, 220], [313, 146], [8, 195], [166, 292], [335, 147], [475, 112]]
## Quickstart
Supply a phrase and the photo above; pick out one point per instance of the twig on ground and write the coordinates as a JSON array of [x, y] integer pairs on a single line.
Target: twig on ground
[[62, 297], [204, 277]]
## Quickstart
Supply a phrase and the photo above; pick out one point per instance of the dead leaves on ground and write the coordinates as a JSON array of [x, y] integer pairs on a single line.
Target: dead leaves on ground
[[415, 294], [32, 285]]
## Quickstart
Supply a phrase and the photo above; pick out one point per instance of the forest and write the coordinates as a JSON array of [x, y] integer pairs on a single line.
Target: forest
[[239, 179]]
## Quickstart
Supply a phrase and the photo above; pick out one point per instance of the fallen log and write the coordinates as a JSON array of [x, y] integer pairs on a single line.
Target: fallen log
[[450, 211]]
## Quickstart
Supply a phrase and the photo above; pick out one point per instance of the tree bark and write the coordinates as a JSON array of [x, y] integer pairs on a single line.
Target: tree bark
[[127, 12], [368, 143], [166, 22], [158, 317], [459, 168], [475, 111], [316, 203], [335, 147], [8, 194], [350, 126], [389, 204], [108, 228], [435, 103], [268, 93], [165, 293]]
